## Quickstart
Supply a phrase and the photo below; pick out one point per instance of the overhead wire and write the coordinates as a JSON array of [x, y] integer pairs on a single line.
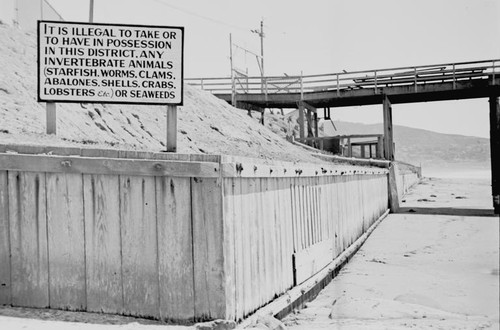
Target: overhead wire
[[213, 20]]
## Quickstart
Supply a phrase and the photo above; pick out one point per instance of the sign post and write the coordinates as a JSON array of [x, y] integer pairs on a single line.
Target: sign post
[[171, 128], [50, 117], [111, 63], [91, 11]]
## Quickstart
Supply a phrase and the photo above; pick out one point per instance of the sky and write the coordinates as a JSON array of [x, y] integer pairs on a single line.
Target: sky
[[327, 36]]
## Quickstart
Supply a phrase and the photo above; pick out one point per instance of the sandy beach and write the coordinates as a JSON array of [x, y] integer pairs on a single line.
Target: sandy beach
[[419, 269]]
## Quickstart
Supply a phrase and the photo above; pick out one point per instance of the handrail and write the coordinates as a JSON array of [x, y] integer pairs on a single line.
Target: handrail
[[299, 84], [333, 137], [362, 71]]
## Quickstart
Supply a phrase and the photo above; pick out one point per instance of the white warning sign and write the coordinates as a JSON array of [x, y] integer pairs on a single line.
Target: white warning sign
[[108, 63]]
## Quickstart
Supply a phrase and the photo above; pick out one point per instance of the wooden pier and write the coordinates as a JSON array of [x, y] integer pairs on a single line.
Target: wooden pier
[[310, 93]]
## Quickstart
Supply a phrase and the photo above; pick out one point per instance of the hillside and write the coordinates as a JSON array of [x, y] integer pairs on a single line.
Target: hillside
[[205, 123], [438, 153], [413, 145], [424, 146]]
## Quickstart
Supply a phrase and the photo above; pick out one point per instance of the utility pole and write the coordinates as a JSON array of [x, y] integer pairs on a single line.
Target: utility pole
[[233, 88], [261, 35]]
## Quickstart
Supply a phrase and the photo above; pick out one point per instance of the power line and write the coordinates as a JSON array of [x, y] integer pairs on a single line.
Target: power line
[[202, 16]]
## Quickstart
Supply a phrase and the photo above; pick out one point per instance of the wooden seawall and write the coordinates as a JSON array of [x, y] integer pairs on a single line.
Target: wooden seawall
[[406, 177], [174, 237]]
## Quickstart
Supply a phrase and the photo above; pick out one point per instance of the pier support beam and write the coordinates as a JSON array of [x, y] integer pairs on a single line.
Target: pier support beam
[[495, 151], [393, 189], [388, 132], [301, 121], [311, 116]]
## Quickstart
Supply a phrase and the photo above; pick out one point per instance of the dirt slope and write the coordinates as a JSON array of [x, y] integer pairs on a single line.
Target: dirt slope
[[423, 146], [205, 123]]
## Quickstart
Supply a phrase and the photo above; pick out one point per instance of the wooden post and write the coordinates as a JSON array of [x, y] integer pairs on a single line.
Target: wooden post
[[301, 120], [171, 128], [388, 134], [362, 146], [393, 189], [349, 147], [311, 117], [51, 124], [316, 124], [310, 132], [495, 152], [233, 84], [380, 147]]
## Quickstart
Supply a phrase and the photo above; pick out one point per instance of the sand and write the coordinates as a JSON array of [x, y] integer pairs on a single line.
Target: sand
[[421, 271]]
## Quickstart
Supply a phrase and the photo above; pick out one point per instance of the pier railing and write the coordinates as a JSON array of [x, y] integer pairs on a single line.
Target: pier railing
[[374, 79]]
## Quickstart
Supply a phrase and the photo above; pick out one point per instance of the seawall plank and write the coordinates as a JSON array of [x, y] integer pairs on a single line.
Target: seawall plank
[[139, 246], [268, 231], [276, 252], [210, 295], [103, 243], [294, 213], [107, 166], [259, 235], [239, 249], [285, 193], [246, 243], [28, 237], [5, 285], [175, 248], [254, 248], [229, 248], [66, 239], [311, 260]]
